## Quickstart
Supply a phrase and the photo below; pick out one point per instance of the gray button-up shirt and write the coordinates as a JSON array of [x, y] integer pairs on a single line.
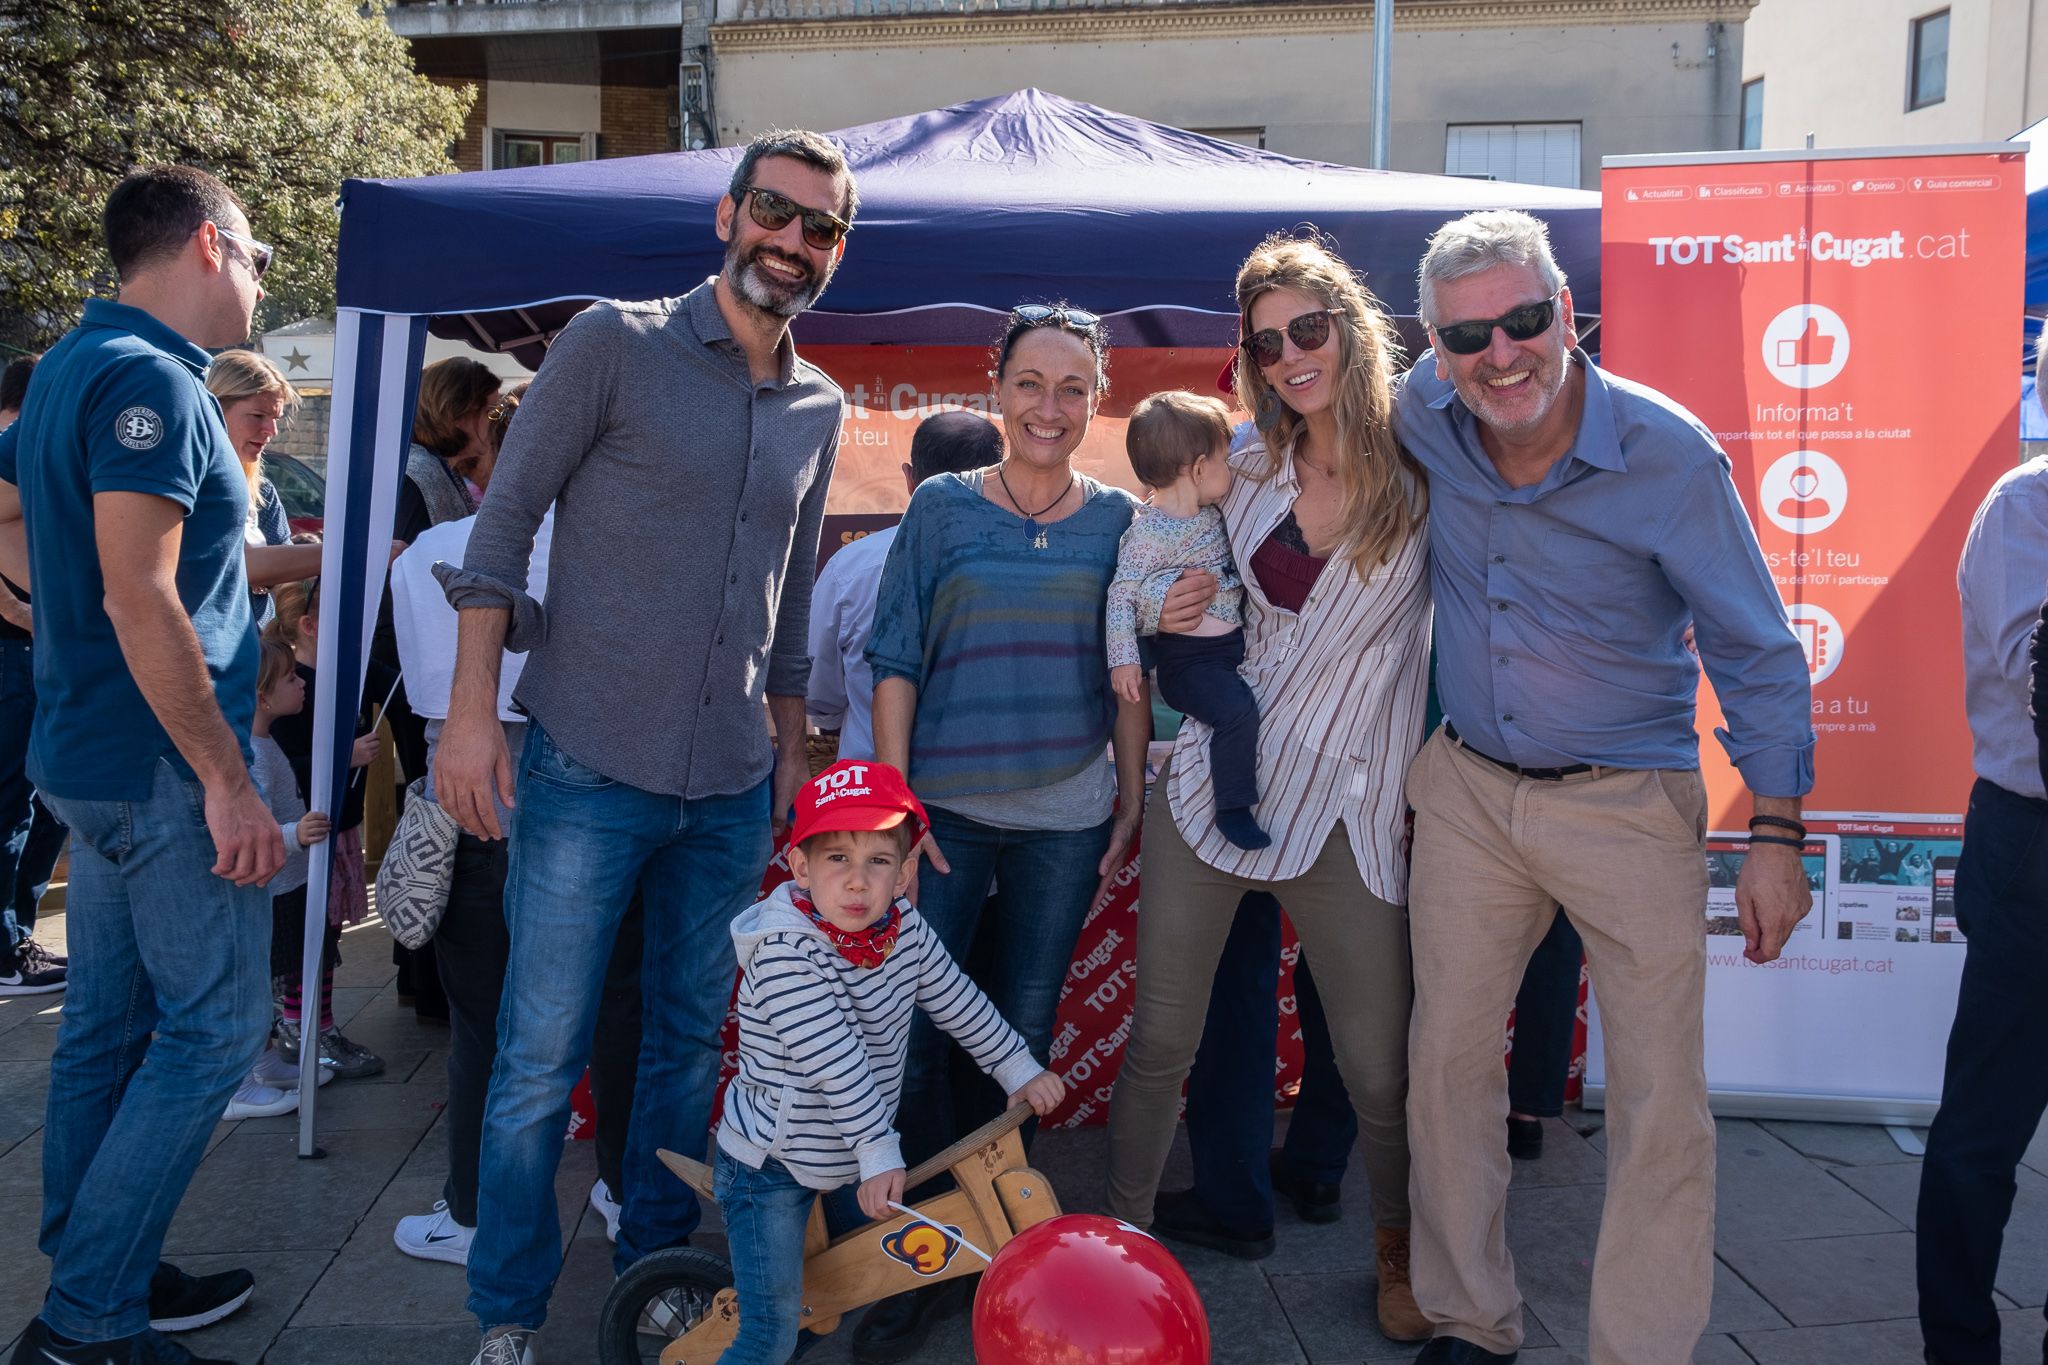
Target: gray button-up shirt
[[2002, 578], [688, 500]]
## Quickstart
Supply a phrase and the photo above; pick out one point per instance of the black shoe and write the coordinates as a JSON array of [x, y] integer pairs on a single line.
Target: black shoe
[[40, 1346], [1525, 1139], [896, 1327], [1314, 1201], [183, 1303], [1454, 1351], [1180, 1216]]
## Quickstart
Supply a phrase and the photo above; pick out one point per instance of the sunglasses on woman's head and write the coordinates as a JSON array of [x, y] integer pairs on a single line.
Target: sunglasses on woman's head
[[1309, 332], [822, 231], [1526, 323], [1044, 314]]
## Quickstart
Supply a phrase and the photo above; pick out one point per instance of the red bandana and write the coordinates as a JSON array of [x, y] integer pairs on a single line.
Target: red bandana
[[869, 947]]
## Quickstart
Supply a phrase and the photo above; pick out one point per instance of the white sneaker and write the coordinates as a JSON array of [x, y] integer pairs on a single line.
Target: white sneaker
[[507, 1346], [434, 1236], [607, 1209], [255, 1100], [272, 1069]]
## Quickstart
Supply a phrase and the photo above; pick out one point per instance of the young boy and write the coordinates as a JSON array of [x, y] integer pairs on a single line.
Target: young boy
[[1179, 444], [830, 969]]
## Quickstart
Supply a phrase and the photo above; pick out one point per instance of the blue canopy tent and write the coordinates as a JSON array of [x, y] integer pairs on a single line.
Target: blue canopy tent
[[965, 211]]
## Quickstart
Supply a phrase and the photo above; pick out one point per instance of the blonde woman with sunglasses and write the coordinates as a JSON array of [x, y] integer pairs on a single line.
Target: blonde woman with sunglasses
[[1327, 522]]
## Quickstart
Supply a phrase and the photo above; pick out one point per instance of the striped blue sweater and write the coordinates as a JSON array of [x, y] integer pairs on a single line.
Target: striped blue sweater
[[822, 1043], [1003, 640]]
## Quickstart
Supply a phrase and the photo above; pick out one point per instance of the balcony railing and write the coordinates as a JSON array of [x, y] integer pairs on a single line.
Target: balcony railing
[[742, 11]]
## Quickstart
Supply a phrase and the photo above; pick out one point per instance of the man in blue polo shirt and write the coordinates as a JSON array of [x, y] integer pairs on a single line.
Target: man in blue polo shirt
[[1578, 524], [121, 473]]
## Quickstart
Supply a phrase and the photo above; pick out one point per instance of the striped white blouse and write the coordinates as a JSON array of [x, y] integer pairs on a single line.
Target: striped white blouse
[[1341, 689]]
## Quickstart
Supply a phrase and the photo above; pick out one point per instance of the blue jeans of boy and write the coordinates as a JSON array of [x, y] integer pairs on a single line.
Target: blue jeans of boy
[[1044, 883], [158, 945], [765, 1213], [581, 843], [17, 715]]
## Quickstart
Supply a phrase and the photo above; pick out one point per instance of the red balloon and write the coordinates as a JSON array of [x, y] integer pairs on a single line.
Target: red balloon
[[1082, 1289]]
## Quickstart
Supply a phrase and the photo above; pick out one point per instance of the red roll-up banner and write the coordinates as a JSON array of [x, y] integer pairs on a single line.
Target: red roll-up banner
[[1847, 324]]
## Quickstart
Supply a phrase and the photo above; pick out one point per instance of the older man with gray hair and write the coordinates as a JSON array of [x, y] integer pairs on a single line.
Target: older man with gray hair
[[1578, 524]]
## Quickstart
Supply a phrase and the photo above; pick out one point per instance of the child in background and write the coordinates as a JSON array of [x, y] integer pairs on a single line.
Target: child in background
[[831, 967], [272, 1087], [297, 627], [1179, 444]]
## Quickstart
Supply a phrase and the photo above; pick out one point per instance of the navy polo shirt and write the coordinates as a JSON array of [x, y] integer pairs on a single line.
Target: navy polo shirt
[[119, 405]]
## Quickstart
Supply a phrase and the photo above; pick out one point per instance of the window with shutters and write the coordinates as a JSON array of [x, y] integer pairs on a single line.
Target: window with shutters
[[1526, 153]]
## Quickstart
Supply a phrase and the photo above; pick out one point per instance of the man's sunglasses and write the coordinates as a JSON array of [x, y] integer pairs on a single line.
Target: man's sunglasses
[[1309, 332], [822, 231], [1046, 315], [1521, 324], [260, 253]]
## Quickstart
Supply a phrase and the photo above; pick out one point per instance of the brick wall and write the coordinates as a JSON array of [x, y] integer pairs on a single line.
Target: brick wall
[[469, 148], [303, 435], [634, 121]]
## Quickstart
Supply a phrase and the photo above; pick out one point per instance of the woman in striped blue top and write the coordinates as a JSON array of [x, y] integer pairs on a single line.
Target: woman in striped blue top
[[992, 693]]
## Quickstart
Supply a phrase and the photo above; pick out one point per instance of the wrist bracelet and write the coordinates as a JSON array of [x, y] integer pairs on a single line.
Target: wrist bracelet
[[1780, 822], [1776, 839]]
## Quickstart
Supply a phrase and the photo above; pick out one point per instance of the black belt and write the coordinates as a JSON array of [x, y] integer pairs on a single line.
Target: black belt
[[1540, 774]]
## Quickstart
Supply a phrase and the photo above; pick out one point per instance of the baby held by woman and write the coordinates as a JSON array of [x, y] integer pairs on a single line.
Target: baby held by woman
[[1179, 444]]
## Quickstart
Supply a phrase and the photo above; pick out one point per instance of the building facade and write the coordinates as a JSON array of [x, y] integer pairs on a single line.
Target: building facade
[[1887, 73], [1529, 90]]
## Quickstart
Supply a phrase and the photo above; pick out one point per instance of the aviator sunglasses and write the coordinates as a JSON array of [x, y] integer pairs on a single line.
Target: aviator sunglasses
[[822, 231], [1044, 314], [1521, 324], [260, 253], [1309, 332]]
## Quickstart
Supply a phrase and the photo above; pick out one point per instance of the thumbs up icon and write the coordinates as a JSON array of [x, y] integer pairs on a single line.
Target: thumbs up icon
[[1810, 347]]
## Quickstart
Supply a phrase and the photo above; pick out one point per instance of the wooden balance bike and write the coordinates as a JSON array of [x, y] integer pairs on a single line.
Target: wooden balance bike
[[678, 1306]]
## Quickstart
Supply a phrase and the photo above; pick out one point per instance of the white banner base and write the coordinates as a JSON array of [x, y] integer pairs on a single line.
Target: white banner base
[[1758, 1104]]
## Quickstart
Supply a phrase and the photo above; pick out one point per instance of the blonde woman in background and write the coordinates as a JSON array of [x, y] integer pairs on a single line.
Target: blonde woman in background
[[255, 398]]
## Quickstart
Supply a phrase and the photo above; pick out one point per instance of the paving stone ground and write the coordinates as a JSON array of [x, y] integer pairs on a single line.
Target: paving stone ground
[[1814, 1257]]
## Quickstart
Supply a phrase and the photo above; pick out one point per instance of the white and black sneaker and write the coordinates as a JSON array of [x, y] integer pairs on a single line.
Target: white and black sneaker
[[434, 1236], [607, 1206], [40, 1346], [183, 1303], [22, 973], [507, 1346]]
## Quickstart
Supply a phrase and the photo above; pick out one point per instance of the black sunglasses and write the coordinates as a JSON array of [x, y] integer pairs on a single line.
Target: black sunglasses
[[1309, 332], [1044, 314], [1521, 324], [822, 231]]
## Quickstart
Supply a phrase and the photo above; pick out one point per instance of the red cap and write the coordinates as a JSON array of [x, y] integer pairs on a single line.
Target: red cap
[[856, 794], [1226, 378]]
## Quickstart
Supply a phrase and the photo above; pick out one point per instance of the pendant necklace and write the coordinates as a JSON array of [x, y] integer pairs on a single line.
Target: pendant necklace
[[1032, 528]]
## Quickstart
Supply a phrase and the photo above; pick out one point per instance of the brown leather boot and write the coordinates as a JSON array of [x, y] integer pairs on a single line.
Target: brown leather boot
[[1400, 1319]]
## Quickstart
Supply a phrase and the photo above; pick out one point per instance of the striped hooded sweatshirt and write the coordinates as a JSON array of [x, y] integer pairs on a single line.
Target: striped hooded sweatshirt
[[823, 1042]]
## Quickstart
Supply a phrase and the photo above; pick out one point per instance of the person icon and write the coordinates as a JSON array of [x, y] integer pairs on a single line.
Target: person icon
[[1805, 501]]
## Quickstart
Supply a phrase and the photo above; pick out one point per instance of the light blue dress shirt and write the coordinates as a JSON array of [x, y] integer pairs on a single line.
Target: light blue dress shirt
[[2002, 578], [1561, 607]]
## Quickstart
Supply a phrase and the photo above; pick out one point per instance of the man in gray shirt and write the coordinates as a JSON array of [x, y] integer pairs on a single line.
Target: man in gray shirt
[[686, 451], [1995, 1087]]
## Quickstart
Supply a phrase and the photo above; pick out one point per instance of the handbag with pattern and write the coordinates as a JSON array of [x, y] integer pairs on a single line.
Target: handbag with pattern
[[413, 879]]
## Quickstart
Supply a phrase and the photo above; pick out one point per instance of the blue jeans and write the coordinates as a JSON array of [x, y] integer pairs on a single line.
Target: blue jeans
[[765, 1213], [1230, 1089], [1546, 1019], [1995, 1087], [35, 851], [1044, 883], [158, 944], [17, 715], [581, 844]]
